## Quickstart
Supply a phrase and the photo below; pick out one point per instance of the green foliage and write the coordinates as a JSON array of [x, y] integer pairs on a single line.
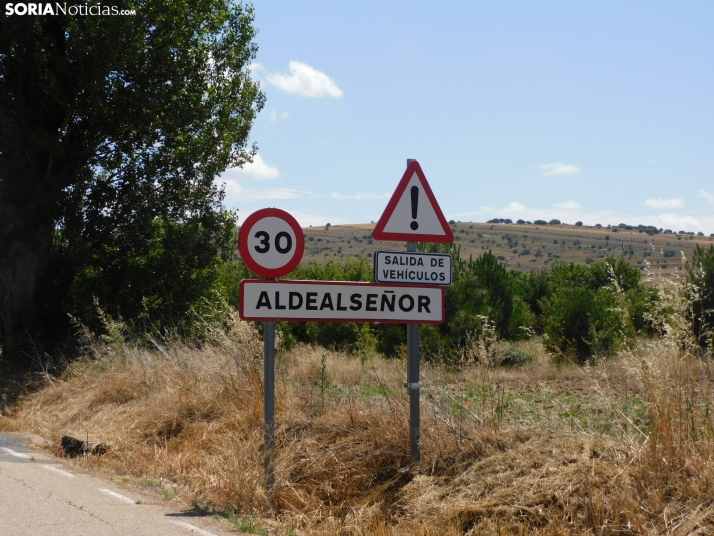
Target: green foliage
[[583, 311], [700, 277], [228, 278], [482, 288], [589, 310], [366, 344], [245, 524], [157, 281], [640, 301], [334, 335], [612, 271], [509, 354], [391, 338], [112, 130], [532, 288], [352, 270], [581, 322]]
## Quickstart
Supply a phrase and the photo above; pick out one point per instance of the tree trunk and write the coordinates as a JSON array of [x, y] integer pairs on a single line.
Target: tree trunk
[[25, 247]]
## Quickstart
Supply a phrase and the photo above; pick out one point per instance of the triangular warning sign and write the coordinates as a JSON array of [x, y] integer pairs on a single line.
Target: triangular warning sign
[[412, 214]]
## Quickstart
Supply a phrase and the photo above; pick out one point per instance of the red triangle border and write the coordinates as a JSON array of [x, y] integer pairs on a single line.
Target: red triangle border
[[379, 234]]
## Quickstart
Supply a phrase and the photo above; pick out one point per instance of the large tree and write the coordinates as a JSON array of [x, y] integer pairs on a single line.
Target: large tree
[[112, 130]]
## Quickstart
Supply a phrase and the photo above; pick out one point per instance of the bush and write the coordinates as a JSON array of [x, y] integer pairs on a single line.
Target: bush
[[509, 354], [334, 335], [352, 270], [483, 290], [700, 277], [162, 280], [581, 323], [583, 310], [639, 302]]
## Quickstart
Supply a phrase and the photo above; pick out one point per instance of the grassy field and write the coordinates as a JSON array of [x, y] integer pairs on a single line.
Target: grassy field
[[523, 247], [621, 447]]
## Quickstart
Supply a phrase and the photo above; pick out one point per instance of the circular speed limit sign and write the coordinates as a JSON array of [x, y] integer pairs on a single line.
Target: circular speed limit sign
[[271, 242]]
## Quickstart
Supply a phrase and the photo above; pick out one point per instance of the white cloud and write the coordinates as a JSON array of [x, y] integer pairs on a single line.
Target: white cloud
[[257, 169], [684, 222], [706, 195], [567, 212], [255, 67], [677, 202], [516, 207], [517, 210], [568, 205], [275, 116], [307, 81], [237, 194], [360, 196], [559, 168], [305, 219]]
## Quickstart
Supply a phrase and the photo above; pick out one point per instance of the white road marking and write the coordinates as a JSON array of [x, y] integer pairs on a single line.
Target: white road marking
[[122, 498], [16, 454], [58, 471], [192, 528]]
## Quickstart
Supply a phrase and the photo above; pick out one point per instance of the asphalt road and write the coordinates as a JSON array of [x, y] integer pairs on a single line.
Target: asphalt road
[[41, 496]]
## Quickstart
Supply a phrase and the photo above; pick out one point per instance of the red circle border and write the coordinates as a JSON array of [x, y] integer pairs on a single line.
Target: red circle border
[[244, 233]]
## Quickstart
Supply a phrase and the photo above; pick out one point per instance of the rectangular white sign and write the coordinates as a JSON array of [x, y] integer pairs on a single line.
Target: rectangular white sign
[[412, 267], [338, 301]]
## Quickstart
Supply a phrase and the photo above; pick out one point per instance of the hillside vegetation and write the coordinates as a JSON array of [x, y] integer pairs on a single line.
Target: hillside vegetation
[[521, 246], [581, 310]]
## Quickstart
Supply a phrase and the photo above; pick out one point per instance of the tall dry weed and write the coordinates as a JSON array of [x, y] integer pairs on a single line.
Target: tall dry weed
[[674, 467]]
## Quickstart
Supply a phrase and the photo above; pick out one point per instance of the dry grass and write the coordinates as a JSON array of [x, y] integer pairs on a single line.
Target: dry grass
[[625, 447]]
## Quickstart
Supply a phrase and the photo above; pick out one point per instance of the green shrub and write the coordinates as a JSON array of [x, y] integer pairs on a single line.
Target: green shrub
[[352, 270], [612, 270], [700, 277], [166, 279], [510, 354], [639, 301], [230, 274], [580, 323], [531, 288], [482, 288], [335, 335]]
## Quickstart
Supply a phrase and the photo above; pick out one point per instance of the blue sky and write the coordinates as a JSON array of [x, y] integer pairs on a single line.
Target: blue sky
[[595, 111]]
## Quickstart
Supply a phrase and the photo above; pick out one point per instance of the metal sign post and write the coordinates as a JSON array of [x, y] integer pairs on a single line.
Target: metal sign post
[[269, 408], [413, 383], [413, 214], [271, 243]]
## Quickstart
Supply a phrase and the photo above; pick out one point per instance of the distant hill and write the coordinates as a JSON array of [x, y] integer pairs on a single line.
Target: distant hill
[[522, 246]]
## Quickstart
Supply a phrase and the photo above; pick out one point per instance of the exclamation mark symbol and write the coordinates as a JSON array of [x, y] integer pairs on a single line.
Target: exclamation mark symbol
[[415, 203]]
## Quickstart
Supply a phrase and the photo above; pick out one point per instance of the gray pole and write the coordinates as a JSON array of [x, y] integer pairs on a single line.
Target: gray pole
[[413, 382], [269, 408]]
